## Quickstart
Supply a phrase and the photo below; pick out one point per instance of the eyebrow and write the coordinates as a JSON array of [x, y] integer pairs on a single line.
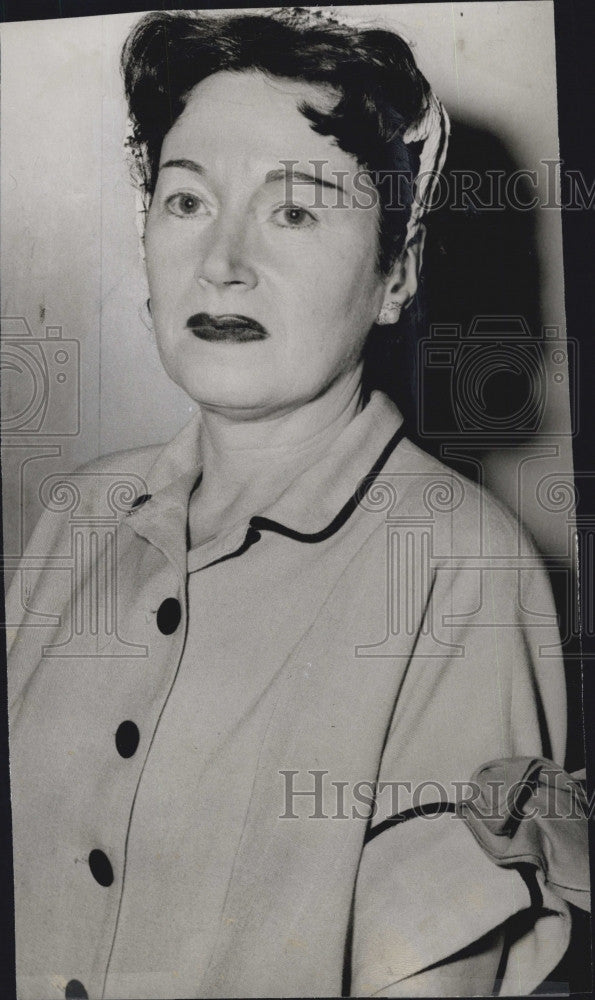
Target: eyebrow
[[185, 165], [271, 177], [299, 175]]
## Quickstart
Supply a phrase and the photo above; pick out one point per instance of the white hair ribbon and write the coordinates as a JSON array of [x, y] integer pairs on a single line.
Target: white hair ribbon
[[432, 129]]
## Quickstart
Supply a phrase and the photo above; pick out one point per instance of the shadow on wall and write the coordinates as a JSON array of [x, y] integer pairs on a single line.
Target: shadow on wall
[[466, 363], [468, 360]]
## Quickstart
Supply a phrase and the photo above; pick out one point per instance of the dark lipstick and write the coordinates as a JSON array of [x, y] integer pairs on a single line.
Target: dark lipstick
[[228, 328]]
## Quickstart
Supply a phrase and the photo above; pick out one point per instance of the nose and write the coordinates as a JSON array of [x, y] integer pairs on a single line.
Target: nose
[[224, 255]]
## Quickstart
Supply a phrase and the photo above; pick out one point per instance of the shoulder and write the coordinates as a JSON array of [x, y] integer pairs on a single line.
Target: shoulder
[[103, 488], [136, 461], [463, 517], [109, 484]]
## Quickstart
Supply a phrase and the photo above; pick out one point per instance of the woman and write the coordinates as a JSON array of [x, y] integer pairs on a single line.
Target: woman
[[305, 612]]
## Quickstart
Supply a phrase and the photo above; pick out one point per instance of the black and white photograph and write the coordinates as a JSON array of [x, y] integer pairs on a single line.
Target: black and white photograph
[[298, 573]]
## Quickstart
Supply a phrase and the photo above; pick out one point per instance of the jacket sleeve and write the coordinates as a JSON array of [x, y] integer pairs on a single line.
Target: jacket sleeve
[[485, 682]]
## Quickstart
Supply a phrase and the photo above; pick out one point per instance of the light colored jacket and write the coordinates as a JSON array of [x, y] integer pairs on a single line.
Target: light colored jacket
[[409, 635]]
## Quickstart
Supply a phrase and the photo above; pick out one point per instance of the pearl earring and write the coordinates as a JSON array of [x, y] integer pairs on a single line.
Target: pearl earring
[[389, 314]]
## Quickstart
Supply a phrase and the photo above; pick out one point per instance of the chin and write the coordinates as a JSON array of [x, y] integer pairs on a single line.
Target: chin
[[230, 394]]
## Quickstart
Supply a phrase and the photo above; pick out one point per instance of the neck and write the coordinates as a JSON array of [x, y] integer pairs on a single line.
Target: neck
[[248, 463]]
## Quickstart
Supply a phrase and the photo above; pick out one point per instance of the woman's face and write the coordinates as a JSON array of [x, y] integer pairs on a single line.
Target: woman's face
[[262, 292]]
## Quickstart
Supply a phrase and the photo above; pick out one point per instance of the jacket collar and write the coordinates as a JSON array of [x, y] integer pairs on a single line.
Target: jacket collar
[[311, 508], [320, 501]]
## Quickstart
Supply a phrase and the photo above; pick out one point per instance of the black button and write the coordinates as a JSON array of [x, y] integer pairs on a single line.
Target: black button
[[75, 991], [101, 868], [140, 500], [127, 737], [169, 615]]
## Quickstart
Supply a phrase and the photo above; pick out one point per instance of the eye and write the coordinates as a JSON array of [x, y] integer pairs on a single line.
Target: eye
[[184, 203], [294, 217]]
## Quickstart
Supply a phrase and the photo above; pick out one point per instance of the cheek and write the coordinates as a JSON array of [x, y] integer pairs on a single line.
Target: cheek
[[165, 258], [330, 327], [350, 292]]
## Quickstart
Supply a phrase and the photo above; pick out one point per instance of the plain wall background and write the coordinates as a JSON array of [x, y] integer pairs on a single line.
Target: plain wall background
[[70, 250]]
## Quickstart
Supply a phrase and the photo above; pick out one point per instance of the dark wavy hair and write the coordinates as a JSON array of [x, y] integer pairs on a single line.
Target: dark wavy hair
[[380, 90]]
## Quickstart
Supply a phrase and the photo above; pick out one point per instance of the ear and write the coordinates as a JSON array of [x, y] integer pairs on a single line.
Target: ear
[[401, 284]]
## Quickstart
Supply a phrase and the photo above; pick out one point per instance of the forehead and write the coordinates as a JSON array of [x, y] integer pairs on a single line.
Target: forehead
[[233, 117]]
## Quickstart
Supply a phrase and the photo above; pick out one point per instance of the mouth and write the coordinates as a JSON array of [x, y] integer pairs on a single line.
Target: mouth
[[226, 329]]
